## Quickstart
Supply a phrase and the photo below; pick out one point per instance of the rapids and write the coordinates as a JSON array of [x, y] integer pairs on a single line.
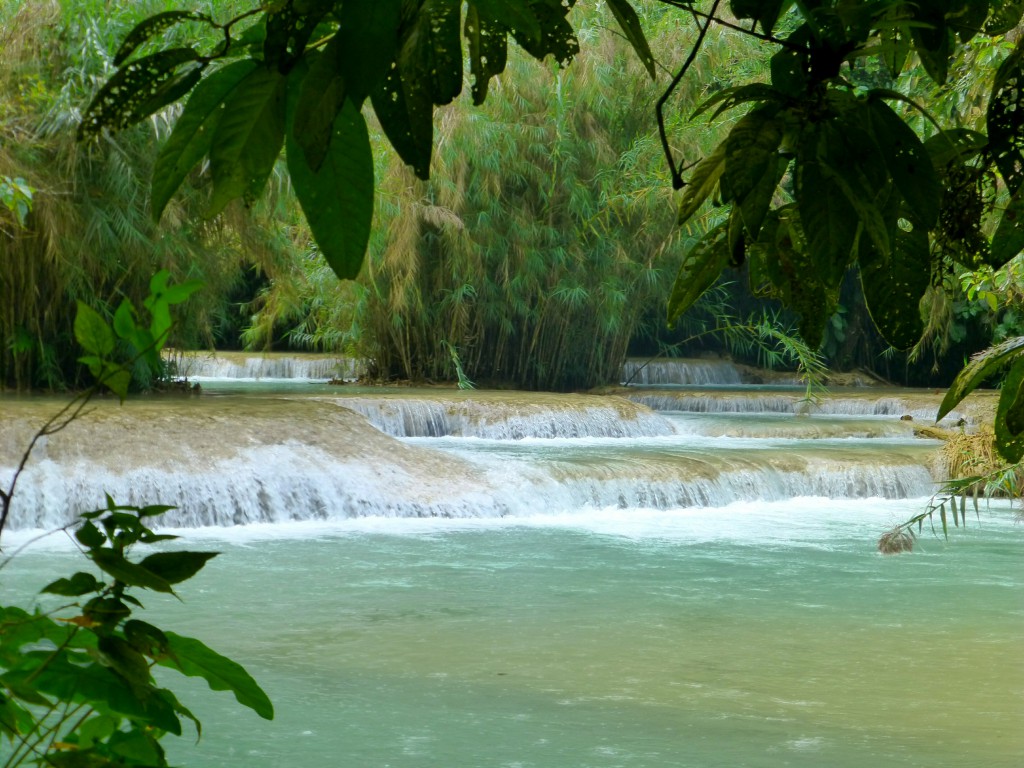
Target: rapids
[[663, 577]]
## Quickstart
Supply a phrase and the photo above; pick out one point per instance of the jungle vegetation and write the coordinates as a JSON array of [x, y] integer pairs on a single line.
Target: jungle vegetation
[[542, 247]]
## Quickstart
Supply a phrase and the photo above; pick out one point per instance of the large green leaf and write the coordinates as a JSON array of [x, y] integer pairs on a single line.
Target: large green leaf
[[406, 113], [1008, 239], [195, 659], [430, 56], [932, 39], [368, 40], [894, 285], [805, 288], [338, 198], [982, 366], [756, 205], [908, 162], [175, 567], [630, 24], [136, 91], [702, 183], [700, 269], [128, 572], [149, 28], [248, 138], [488, 51], [1004, 119], [1006, 14], [1009, 440], [193, 132], [512, 15], [751, 152], [557, 36], [765, 12], [828, 219], [92, 331]]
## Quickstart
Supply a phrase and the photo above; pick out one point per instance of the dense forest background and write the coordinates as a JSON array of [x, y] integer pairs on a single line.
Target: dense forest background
[[542, 251]]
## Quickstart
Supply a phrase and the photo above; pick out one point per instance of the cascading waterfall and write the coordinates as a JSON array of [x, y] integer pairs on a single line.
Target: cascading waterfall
[[769, 402], [680, 371], [236, 461], [247, 367]]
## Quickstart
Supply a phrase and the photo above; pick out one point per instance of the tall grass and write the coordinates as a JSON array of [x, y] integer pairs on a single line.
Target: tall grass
[[90, 235], [545, 240]]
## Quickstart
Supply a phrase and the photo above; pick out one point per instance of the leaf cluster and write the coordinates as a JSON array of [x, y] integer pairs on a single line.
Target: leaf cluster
[[821, 174], [296, 75], [99, 338], [76, 684]]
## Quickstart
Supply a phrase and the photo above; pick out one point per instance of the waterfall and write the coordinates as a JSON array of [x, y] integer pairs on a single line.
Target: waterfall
[[680, 371], [227, 365], [568, 416], [756, 401], [227, 461]]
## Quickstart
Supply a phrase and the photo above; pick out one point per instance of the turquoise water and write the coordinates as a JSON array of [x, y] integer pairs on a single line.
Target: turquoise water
[[671, 599], [752, 635]]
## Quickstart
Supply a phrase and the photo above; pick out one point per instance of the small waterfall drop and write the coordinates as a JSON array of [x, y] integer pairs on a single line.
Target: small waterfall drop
[[680, 371], [567, 416], [254, 367]]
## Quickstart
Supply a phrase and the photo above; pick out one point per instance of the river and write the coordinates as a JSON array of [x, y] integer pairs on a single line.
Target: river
[[674, 575]]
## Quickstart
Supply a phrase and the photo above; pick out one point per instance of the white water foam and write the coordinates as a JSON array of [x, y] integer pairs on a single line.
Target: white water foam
[[680, 371], [406, 417]]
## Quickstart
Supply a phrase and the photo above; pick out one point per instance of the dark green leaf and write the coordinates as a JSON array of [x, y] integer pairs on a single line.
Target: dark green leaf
[[1004, 119], [757, 203], [80, 584], [789, 69], [248, 138], [806, 287], [406, 114], [954, 145], [124, 321], [630, 24], [145, 638], [175, 567], [1008, 239], [92, 332], [320, 100], [509, 15], [151, 26], [288, 31], [193, 132], [89, 536], [751, 152], [982, 366], [740, 94], [894, 285], [368, 36], [765, 12], [125, 98], [102, 689], [828, 219], [557, 36], [120, 656], [430, 56], [195, 659], [1006, 14], [908, 162], [127, 572], [932, 39], [702, 183], [338, 200], [487, 51], [701, 267], [1010, 443]]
